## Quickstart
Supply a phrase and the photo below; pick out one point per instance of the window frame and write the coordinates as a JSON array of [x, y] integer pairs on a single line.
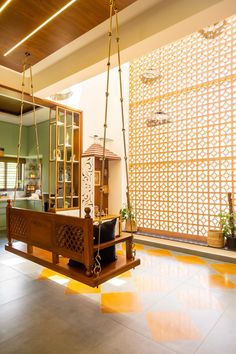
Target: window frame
[[21, 167]]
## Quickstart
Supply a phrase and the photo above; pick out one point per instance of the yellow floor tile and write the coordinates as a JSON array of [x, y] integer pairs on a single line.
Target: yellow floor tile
[[226, 268], [164, 253], [47, 273], [75, 287], [137, 246], [147, 283], [54, 276], [172, 326], [218, 280], [190, 259], [120, 302], [120, 252]]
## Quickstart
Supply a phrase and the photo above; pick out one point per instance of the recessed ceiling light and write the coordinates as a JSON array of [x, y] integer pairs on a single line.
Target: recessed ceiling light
[[4, 5], [150, 74], [39, 27]]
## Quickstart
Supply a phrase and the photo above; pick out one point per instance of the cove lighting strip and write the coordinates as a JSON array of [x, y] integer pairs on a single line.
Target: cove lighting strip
[[39, 28], [4, 5]]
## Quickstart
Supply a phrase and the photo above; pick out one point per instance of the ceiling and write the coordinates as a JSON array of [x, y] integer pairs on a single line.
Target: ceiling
[[12, 106], [73, 47], [20, 18]]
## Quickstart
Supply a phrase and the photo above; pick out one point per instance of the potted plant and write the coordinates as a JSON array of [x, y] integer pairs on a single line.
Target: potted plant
[[128, 216], [228, 227]]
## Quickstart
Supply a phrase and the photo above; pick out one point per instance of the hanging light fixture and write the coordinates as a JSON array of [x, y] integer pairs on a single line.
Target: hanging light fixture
[[150, 75], [61, 96], [158, 117], [214, 30]]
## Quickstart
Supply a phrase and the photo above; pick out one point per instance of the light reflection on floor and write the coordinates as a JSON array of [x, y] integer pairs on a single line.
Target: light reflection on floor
[[174, 299]]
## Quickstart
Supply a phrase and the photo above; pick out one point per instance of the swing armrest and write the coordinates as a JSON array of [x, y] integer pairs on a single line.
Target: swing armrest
[[117, 240]]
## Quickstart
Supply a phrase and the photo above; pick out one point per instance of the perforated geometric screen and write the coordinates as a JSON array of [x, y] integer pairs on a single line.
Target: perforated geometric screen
[[181, 171]]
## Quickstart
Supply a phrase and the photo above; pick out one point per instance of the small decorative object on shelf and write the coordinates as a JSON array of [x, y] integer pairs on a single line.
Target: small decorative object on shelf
[[2, 151], [32, 176], [97, 178], [96, 211]]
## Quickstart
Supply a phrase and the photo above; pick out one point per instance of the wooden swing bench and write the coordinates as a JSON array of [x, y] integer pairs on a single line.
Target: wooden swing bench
[[51, 239]]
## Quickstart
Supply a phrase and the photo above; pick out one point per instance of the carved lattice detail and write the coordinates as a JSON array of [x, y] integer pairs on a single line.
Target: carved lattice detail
[[18, 226], [87, 183], [180, 172], [70, 237]]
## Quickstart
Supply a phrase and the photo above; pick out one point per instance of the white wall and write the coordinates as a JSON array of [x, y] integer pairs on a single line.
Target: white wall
[[90, 98]]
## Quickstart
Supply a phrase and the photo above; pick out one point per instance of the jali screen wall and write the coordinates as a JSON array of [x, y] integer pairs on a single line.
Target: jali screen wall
[[180, 172]]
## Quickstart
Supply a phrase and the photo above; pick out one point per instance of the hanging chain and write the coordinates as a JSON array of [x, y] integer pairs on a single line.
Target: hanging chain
[[97, 267], [20, 128]]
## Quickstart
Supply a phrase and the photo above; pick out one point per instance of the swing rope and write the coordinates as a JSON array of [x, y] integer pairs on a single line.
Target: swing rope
[[20, 129], [35, 129], [113, 9], [21, 124]]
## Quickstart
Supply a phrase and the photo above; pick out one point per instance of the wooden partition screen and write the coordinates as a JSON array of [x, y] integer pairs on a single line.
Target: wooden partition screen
[[181, 171]]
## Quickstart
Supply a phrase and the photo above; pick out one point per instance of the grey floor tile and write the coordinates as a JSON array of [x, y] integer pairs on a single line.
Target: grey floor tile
[[222, 338], [7, 273], [129, 342], [37, 317], [12, 289]]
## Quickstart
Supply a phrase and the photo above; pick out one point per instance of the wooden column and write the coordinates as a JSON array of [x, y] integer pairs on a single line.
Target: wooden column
[[129, 254], [8, 219]]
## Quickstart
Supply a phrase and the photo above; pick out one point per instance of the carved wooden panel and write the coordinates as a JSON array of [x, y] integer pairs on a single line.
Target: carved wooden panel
[[87, 183], [180, 172], [70, 237], [19, 226]]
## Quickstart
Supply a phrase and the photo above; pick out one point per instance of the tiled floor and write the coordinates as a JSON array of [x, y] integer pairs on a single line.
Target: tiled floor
[[172, 303]]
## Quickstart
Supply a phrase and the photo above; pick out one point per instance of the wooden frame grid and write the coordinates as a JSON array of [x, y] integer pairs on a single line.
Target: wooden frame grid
[[180, 172]]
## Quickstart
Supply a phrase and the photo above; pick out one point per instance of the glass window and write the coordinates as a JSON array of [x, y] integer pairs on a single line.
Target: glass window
[[8, 175]]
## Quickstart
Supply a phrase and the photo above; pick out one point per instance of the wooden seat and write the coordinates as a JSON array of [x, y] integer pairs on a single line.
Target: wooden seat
[[50, 240]]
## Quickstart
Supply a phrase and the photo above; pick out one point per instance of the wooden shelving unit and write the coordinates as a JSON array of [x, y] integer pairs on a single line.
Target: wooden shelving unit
[[65, 141]]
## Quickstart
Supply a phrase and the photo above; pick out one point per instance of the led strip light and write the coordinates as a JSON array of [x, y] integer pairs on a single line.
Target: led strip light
[[39, 27], [5, 5]]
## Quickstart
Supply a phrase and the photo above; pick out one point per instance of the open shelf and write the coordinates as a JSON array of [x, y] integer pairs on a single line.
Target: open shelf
[[65, 146]]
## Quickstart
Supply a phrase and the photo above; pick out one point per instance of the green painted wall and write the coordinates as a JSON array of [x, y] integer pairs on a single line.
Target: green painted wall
[[9, 138], [43, 136]]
